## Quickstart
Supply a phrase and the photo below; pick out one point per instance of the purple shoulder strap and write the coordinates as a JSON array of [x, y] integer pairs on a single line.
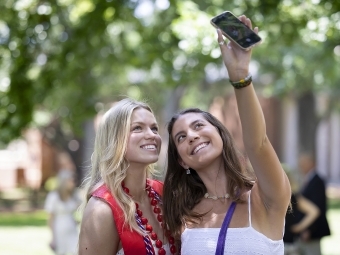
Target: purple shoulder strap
[[224, 228]]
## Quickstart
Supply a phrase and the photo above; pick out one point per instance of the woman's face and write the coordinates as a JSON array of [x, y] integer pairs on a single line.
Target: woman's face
[[197, 141], [144, 142]]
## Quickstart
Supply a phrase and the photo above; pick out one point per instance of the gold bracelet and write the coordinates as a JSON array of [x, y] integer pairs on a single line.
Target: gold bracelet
[[242, 83]]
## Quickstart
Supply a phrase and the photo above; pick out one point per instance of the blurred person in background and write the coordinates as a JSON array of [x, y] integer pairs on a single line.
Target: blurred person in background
[[61, 204], [314, 189], [300, 215], [123, 207]]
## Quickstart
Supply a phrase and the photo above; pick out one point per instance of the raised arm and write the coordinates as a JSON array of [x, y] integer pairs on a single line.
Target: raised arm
[[272, 182]]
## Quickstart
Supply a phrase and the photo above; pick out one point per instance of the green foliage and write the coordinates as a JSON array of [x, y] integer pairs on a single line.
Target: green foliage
[[64, 60]]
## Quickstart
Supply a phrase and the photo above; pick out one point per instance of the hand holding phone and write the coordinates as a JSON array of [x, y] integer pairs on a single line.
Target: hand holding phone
[[235, 30]]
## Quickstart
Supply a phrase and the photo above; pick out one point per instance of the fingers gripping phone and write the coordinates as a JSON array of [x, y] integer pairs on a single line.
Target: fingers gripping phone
[[235, 30]]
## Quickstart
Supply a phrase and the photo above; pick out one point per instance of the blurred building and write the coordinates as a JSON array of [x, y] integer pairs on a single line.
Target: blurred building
[[30, 161], [26, 162], [286, 130]]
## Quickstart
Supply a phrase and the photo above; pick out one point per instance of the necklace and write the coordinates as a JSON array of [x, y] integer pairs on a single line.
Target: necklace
[[143, 222], [207, 195]]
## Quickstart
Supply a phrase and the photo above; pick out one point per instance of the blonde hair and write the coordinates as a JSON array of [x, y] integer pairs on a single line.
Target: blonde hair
[[108, 159]]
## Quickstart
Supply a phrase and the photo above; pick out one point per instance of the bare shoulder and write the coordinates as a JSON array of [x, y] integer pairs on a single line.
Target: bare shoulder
[[98, 208], [98, 234]]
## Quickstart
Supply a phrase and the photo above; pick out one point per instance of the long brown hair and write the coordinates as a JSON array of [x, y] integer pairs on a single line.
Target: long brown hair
[[182, 192]]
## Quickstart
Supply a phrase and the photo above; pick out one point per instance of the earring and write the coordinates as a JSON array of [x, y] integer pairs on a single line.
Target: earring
[[188, 171]]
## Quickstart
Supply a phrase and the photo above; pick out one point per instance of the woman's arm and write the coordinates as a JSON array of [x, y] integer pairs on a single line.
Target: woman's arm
[[311, 212], [272, 182], [98, 234]]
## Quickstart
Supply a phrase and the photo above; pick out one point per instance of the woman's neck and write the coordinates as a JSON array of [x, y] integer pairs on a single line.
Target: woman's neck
[[214, 179], [135, 181]]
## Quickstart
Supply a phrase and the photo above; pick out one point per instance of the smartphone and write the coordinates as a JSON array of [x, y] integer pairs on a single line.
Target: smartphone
[[235, 30]]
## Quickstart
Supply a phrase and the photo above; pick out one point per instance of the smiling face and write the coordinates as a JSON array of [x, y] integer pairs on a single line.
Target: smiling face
[[198, 142], [144, 141]]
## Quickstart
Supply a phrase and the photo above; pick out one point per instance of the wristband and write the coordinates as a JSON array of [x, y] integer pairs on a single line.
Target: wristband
[[242, 83]]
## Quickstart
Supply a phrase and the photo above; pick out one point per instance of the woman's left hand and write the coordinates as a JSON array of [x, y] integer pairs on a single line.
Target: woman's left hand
[[236, 59]]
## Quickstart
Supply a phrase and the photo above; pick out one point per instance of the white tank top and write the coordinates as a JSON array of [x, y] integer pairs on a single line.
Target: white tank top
[[243, 241]]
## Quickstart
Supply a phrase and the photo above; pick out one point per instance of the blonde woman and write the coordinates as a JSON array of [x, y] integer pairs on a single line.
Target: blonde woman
[[123, 212]]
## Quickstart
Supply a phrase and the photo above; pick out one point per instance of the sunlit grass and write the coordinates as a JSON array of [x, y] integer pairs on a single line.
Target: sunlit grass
[[25, 240], [330, 244]]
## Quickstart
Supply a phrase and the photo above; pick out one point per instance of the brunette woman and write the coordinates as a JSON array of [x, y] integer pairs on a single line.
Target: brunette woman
[[211, 205]]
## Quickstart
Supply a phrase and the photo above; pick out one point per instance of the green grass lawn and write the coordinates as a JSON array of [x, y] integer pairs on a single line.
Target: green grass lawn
[[20, 219], [28, 234]]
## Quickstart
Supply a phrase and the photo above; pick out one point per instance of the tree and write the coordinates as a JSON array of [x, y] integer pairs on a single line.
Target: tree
[[67, 59]]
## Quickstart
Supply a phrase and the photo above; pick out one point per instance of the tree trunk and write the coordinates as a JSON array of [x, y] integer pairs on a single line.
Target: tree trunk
[[171, 106]]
